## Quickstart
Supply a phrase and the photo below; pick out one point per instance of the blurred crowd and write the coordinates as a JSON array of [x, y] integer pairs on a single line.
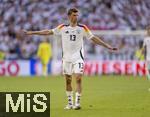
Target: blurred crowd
[[16, 15]]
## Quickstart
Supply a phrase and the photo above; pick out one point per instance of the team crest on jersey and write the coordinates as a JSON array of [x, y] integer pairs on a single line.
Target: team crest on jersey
[[78, 31]]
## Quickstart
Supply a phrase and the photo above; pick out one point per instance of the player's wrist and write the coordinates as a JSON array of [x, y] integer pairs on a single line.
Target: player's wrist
[[29, 33], [109, 47]]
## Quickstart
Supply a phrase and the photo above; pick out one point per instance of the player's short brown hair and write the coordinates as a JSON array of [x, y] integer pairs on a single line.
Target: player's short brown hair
[[72, 10]]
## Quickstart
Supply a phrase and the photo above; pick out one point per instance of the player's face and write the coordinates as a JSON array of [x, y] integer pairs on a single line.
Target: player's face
[[73, 17]]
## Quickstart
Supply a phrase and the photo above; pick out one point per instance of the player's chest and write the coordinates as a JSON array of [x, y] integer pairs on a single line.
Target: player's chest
[[70, 32], [70, 35]]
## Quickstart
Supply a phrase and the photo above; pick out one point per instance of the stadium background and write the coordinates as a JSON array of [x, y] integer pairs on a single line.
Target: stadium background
[[120, 23], [124, 92]]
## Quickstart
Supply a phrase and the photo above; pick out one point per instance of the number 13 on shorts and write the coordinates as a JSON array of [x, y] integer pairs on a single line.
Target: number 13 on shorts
[[81, 65], [79, 68]]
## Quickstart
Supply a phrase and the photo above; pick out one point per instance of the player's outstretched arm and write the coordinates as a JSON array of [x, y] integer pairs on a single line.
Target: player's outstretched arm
[[99, 41], [42, 32]]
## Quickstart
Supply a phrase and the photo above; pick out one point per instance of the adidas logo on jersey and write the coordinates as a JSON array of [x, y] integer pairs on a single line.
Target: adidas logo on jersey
[[67, 31]]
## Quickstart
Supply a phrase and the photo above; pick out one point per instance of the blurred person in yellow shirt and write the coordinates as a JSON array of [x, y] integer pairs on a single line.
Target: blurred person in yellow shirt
[[2, 55], [140, 55], [44, 54]]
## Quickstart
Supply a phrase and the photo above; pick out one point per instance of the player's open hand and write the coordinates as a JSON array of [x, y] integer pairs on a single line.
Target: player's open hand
[[25, 32]]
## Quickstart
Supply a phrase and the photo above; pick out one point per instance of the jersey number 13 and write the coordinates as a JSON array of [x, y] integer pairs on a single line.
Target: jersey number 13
[[72, 37]]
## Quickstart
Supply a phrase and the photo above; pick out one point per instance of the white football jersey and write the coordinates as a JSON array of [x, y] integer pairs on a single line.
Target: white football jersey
[[147, 44], [72, 40]]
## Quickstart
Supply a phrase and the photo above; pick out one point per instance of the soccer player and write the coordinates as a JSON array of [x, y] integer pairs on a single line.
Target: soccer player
[[2, 55], [139, 54], [44, 53], [146, 46], [72, 36]]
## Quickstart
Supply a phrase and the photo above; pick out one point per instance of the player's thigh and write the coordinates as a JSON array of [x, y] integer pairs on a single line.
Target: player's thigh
[[67, 68], [44, 61], [78, 77], [78, 67]]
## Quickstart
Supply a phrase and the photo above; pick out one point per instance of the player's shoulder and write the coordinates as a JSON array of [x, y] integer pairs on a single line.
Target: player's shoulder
[[44, 45], [83, 26], [41, 44], [60, 26]]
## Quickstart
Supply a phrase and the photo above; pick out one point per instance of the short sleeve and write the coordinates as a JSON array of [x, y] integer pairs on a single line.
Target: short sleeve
[[87, 33], [57, 30]]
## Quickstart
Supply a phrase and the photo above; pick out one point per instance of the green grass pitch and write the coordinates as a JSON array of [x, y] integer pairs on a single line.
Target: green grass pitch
[[103, 96]]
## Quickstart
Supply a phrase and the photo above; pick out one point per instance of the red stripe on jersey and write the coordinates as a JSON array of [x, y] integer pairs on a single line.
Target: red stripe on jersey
[[84, 27]]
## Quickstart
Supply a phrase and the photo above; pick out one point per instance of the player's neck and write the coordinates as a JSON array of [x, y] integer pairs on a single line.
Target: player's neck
[[72, 24]]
